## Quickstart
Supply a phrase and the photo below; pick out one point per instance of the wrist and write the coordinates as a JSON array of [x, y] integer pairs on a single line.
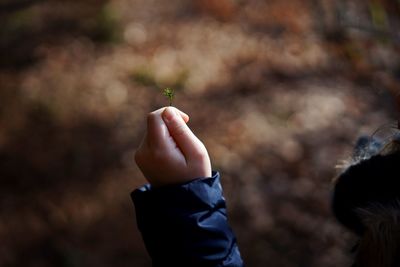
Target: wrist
[[179, 181], [165, 185]]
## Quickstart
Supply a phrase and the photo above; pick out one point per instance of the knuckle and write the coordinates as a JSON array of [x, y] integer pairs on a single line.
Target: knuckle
[[180, 130], [177, 128], [200, 154]]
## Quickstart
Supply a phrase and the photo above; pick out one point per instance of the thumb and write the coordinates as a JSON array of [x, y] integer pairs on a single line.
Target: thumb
[[180, 132]]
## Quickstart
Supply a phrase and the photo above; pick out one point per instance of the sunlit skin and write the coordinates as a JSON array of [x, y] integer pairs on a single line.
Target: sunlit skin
[[170, 153]]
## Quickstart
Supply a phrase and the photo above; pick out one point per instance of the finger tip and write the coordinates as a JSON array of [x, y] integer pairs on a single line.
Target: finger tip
[[165, 108], [168, 113], [184, 116]]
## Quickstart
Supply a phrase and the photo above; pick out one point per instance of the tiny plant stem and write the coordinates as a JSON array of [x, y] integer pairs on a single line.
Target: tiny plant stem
[[169, 93]]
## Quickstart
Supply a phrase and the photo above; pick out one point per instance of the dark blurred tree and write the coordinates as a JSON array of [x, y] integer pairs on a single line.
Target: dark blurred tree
[[27, 24]]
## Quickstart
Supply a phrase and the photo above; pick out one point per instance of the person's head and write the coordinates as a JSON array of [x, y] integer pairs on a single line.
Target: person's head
[[367, 201]]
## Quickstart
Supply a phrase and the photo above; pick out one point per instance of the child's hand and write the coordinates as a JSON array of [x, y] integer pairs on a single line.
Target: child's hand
[[170, 153]]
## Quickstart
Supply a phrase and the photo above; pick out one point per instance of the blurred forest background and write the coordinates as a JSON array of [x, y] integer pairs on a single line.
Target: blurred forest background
[[278, 90]]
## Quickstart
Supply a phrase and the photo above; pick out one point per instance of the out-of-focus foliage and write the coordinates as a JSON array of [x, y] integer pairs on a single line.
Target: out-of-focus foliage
[[27, 24], [277, 90]]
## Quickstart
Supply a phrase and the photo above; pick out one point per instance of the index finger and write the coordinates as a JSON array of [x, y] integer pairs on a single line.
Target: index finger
[[157, 131]]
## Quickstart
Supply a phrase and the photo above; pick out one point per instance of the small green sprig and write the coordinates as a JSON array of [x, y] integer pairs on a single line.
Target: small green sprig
[[169, 93]]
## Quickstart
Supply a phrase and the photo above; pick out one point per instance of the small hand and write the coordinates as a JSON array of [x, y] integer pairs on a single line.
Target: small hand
[[170, 153]]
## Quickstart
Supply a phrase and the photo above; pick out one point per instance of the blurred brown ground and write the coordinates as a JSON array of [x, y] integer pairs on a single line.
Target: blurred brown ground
[[277, 90]]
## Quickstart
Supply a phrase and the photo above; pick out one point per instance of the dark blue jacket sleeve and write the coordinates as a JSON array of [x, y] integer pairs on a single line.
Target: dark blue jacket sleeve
[[186, 225]]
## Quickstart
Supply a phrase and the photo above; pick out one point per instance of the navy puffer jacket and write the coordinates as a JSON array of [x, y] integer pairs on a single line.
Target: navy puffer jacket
[[186, 224]]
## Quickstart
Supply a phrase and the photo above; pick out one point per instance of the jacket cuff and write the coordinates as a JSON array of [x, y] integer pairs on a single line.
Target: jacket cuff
[[201, 193], [186, 224]]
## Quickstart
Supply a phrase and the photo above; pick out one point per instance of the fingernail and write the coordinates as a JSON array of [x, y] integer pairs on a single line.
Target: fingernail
[[168, 115]]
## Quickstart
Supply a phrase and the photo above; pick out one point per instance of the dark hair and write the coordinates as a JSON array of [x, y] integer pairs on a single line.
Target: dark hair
[[366, 200]]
